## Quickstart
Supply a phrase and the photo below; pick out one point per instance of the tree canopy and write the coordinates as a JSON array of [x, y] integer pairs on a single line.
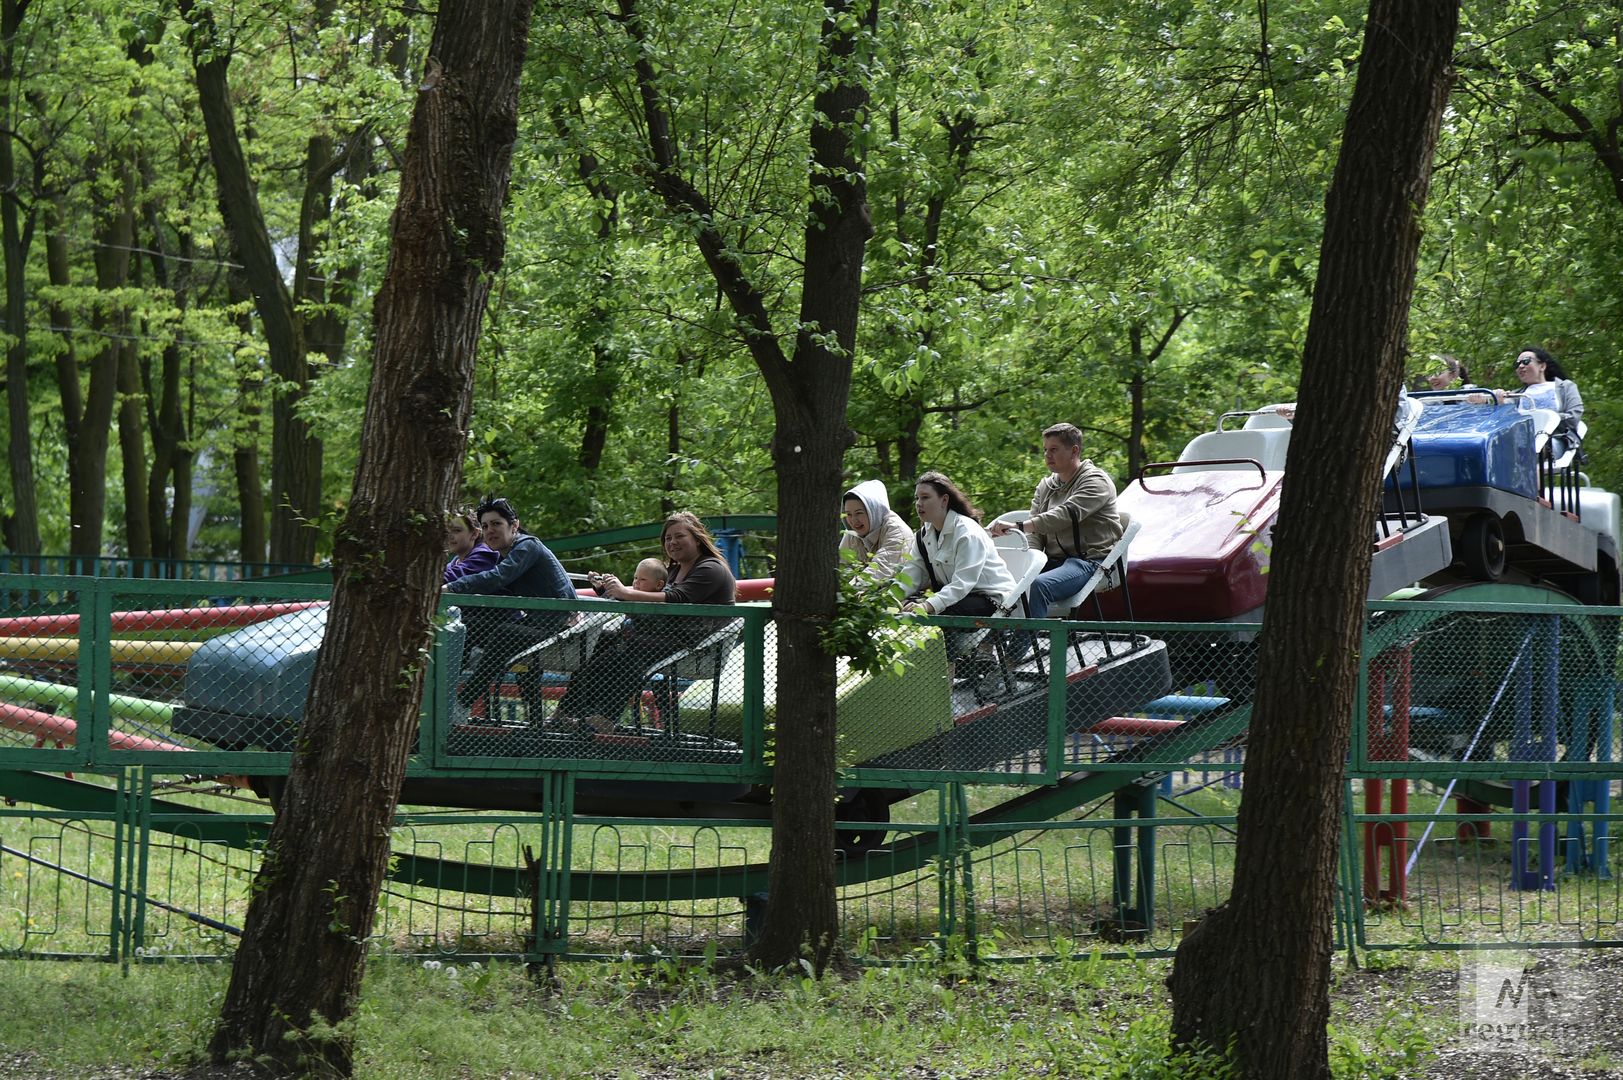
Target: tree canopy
[[1102, 213]]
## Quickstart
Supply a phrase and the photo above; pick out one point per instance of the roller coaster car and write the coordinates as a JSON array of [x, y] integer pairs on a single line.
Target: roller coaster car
[[1517, 507], [1208, 520], [247, 689]]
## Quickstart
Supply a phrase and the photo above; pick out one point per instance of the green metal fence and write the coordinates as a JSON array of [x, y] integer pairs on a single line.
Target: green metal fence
[[118, 567], [1075, 798]]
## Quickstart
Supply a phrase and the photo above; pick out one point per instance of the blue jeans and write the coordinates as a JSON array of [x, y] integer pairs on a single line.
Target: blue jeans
[[1062, 578]]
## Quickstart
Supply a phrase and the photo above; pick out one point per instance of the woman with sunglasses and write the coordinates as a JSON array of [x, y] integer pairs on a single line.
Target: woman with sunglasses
[[1546, 385]]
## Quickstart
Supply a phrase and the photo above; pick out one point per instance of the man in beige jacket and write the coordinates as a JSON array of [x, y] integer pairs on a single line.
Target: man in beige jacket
[[1073, 519]]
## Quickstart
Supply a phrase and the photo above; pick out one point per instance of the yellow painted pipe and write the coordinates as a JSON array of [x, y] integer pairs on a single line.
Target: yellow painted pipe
[[123, 652]]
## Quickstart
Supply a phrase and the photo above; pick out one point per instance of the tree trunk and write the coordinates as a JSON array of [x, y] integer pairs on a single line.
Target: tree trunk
[[809, 400], [87, 414], [673, 451], [22, 530], [303, 946], [245, 447], [1135, 394], [809, 395], [167, 521], [1256, 971], [295, 451], [132, 448], [600, 402]]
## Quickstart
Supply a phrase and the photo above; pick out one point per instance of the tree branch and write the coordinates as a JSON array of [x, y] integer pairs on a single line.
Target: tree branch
[[688, 202], [1177, 320]]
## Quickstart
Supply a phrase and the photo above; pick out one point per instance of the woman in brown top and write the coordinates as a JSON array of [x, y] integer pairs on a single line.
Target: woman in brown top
[[697, 574]]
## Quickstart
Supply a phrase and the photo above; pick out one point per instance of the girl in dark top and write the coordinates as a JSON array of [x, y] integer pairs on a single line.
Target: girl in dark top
[[598, 692]]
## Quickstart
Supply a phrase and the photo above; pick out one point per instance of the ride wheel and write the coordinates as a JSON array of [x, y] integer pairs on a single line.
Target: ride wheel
[[861, 804], [1482, 547]]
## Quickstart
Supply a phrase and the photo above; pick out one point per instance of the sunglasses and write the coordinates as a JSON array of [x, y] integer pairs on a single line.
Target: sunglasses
[[1524, 363]]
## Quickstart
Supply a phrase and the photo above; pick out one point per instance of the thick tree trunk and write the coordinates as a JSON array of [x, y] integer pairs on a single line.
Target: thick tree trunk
[[1256, 971], [303, 947], [295, 450], [809, 399], [22, 530]]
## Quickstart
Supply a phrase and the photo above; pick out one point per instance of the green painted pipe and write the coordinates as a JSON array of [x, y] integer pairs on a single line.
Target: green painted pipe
[[65, 698]]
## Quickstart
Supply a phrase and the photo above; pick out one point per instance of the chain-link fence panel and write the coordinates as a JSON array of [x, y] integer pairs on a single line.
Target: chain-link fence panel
[[1454, 691], [994, 701], [46, 656], [1147, 697], [611, 688], [224, 666]]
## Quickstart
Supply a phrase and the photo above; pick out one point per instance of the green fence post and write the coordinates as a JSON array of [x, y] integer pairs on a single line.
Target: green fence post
[[753, 735], [141, 857], [118, 902], [1057, 642], [87, 600], [550, 872], [1352, 897], [1360, 715], [946, 883], [966, 866]]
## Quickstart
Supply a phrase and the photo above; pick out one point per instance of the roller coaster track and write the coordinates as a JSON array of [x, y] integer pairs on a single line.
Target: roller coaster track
[[905, 855]]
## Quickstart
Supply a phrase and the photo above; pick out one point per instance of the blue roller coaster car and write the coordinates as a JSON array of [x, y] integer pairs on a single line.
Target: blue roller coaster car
[[1516, 503]]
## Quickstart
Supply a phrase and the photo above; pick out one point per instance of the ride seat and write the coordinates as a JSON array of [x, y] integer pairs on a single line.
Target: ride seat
[[1268, 418], [1408, 417], [1570, 457], [1545, 423], [569, 648], [1111, 575], [704, 659], [563, 652], [1024, 564], [1266, 446]]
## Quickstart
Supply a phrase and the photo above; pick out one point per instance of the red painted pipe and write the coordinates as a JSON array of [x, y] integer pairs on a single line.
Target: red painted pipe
[[161, 619], [758, 588], [63, 731], [1132, 725]]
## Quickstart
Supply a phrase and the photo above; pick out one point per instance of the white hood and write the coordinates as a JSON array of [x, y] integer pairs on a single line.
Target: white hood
[[875, 500]]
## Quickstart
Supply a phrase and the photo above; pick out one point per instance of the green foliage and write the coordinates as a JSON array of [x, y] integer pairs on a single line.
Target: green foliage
[[1082, 1016], [867, 628], [1072, 204]]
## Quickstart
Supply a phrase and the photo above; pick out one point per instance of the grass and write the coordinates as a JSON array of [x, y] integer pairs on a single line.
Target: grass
[[1080, 1016]]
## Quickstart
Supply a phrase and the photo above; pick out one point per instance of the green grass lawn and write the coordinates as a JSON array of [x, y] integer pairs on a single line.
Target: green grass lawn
[[1081, 1016]]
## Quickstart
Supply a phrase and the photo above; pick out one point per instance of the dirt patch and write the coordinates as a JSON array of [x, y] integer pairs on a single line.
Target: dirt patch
[[1551, 1014]]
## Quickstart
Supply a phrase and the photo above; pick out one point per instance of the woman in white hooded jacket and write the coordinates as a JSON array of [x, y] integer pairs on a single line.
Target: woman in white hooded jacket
[[877, 534], [957, 564]]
